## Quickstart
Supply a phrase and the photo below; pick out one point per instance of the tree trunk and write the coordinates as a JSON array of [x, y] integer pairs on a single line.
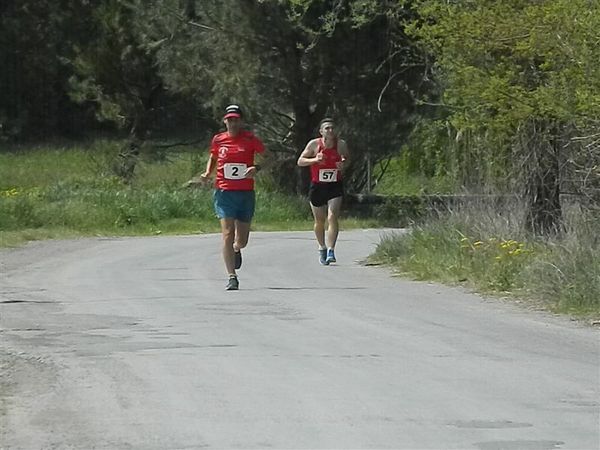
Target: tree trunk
[[305, 124], [544, 215], [139, 132], [302, 132]]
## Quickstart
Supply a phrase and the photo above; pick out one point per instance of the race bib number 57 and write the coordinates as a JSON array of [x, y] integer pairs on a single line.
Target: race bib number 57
[[234, 171], [328, 175]]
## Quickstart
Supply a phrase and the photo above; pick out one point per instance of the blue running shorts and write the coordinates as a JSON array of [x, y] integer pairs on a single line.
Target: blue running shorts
[[234, 204]]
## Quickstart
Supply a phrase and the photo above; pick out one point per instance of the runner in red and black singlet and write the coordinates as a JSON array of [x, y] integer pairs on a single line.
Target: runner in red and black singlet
[[326, 157], [327, 170]]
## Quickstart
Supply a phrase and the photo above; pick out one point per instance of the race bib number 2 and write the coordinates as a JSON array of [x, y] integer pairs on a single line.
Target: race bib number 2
[[234, 171], [328, 175]]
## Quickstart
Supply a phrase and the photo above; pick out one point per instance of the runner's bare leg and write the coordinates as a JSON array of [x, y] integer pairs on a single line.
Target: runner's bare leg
[[320, 215], [334, 206], [228, 232], [242, 233]]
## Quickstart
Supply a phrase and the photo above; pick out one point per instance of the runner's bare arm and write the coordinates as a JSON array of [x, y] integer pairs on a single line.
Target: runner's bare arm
[[210, 166], [309, 155], [204, 177]]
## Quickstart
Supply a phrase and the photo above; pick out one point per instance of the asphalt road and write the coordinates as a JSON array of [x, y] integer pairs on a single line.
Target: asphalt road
[[133, 343]]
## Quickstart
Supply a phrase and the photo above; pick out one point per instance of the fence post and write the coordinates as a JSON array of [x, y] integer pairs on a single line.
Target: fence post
[[368, 173]]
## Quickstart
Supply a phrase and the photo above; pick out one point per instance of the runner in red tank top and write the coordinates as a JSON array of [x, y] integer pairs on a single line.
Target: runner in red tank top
[[232, 154], [327, 170], [326, 156]]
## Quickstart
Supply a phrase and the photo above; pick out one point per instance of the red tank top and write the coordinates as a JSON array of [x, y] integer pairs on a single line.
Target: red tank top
[[326, 171]]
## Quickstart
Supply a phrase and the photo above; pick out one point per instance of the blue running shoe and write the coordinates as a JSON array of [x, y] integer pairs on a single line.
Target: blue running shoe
[[323, 257], [330, 256]]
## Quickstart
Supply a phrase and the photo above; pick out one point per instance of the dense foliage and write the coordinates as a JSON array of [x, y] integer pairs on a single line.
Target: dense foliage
[[521, 92], [491, 95], [137, 64]]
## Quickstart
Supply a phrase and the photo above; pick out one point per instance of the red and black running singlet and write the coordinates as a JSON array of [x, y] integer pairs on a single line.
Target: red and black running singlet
[[234, 155], [326, 171]]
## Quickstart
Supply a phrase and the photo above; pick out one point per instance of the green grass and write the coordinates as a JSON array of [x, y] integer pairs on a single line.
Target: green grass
[[64, 191], [398, 180], [75, 209], [44, 166], [488, 251], [568, 270]]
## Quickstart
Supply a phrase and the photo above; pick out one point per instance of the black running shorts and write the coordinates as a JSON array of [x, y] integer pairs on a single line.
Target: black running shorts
[[320, 193]]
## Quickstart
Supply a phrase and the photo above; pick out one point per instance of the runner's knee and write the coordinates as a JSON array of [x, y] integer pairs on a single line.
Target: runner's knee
[[241, 243], [228, 235], [320, 220]]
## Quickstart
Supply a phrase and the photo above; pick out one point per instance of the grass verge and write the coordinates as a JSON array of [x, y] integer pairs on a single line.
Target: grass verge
[[487, 250], [67, 192]]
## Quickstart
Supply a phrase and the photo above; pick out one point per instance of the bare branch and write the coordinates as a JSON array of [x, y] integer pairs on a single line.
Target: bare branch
[[186, 21]]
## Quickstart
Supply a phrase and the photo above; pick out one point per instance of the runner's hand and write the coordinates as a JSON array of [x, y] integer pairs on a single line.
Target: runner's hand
[[202, 180], [319, 157], [250, 172]]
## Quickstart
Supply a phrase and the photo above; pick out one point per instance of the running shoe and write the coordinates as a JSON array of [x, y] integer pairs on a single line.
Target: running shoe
[[330, 256], [323, 257], [238, 259], [233, 284]]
